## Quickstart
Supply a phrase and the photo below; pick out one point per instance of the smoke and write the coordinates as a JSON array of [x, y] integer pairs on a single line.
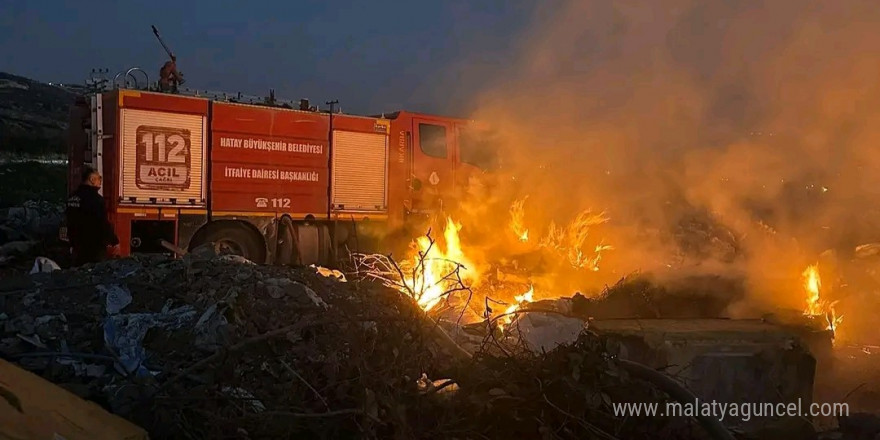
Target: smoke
[[718, 135]]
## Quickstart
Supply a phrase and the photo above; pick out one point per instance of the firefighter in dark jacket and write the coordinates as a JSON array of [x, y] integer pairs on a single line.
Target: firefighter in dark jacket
[[88, 229]]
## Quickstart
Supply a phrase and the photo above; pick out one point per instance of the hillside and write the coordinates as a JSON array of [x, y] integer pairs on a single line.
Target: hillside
[[33, 115]]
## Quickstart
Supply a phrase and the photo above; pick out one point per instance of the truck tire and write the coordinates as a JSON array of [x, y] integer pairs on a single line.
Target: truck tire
[[287, 252], [313, 244], [238, 240]]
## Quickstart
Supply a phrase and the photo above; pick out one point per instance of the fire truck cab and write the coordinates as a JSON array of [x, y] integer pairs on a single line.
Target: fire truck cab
[[272, 183]]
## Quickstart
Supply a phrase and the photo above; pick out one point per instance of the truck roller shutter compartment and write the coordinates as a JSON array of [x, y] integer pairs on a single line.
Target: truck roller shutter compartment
[[360, 171]]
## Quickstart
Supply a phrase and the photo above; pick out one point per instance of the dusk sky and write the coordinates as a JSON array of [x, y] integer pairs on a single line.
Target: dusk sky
[[372, 56]]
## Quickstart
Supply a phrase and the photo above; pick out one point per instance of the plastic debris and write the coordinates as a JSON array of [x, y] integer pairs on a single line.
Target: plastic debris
[[44, 265], [330, 273], [123, 335], [117, 297], [235, 259]]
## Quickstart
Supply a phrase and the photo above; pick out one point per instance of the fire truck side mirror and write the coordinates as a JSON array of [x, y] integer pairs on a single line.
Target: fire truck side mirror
[[416, 184]]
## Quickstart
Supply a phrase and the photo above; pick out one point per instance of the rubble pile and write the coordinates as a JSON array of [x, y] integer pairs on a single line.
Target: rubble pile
[[212, 346], [37, 219], [207, 346], [27, 231]]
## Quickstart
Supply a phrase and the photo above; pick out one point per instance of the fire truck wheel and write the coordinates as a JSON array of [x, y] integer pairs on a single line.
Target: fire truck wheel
[[287, 252], [238, 240]]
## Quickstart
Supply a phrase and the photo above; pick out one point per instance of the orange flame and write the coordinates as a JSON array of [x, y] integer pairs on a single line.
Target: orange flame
[[517, 220], [507, 316], [812, 284], [571, 240], [431, 272], [815, 305]]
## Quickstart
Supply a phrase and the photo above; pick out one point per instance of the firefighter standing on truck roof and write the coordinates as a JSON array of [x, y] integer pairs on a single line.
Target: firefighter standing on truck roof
[[169, 76], [88, 229]]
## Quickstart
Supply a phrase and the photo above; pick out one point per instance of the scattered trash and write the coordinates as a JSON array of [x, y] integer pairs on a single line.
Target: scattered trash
[[117, 297], [211, 331], [247, 397], [33, 340], [123, 335], [44, 265], [82, 368], [330, 273], [544, 331], [443, 387], [235, 259]]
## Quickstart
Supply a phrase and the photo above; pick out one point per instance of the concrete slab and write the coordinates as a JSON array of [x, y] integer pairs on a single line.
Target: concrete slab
[[728, 361]]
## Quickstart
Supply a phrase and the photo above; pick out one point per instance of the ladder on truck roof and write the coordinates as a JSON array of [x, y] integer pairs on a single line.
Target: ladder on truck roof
[[127, 79]]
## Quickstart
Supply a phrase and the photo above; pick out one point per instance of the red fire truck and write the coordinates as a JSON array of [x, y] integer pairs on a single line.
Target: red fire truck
[[273, 184]]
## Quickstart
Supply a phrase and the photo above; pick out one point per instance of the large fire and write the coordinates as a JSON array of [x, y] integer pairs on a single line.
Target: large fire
[[816, 306], [442, 269], [439, 270]]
